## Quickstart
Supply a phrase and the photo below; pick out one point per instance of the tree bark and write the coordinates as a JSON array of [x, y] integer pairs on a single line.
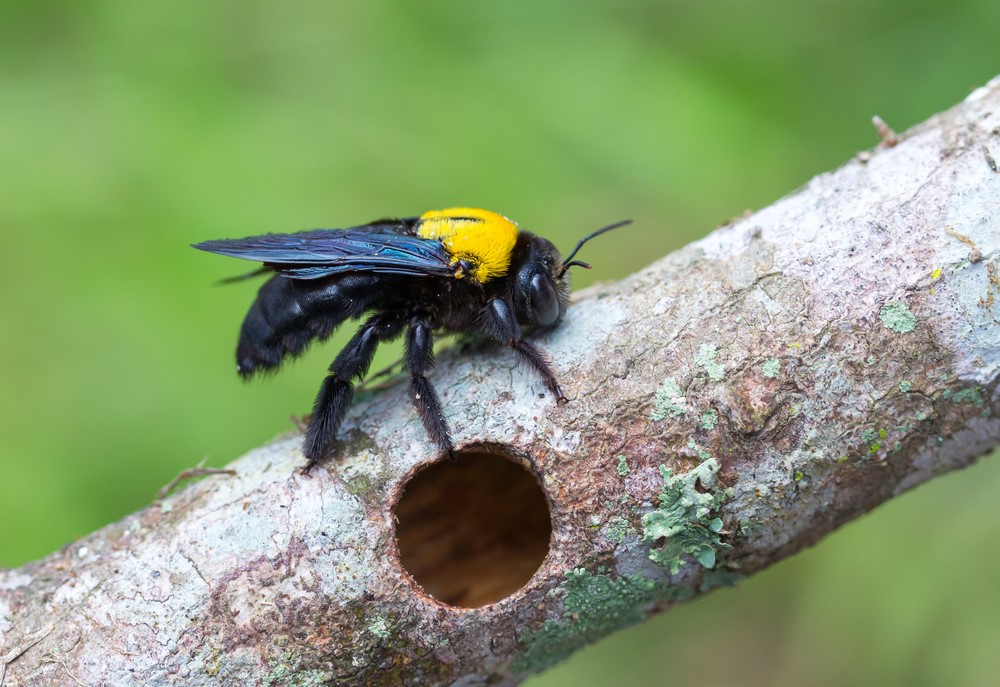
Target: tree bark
[[730, 404]]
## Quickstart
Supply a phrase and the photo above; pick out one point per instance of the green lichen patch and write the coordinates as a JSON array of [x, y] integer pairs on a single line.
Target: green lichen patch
[[771, 368], [706, 359], [699, 451], [594, 605], [905, 386], [683, 521], [669, 400], [897, 317], [359, 485], [379, 627], [709, 419], [618, 529], [874, 438], [972, 395], [749, 528], [622, 469], [287, 670]]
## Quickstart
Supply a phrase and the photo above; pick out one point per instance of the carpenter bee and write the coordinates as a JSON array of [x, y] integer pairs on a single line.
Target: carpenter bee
[[454, 270]]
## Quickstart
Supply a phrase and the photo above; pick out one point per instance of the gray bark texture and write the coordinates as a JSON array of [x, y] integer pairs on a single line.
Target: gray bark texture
[[731, 404]]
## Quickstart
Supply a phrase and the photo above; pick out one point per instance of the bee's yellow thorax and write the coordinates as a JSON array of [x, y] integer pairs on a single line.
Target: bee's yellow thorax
[[481, 237]]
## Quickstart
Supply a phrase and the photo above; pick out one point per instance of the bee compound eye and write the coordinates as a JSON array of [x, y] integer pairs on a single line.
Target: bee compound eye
[[544, 301]]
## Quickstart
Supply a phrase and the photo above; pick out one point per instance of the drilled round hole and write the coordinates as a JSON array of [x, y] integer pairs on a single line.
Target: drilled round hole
[[473, 531]]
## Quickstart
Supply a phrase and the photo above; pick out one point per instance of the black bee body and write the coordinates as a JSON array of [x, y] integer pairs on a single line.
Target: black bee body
[[289, 314], [457, 270]]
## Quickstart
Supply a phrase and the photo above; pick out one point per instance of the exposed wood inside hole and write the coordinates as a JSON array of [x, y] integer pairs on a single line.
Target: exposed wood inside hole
[[473, 531]]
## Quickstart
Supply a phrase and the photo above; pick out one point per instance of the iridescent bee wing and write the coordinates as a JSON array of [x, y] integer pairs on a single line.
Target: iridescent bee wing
[[380, 248]]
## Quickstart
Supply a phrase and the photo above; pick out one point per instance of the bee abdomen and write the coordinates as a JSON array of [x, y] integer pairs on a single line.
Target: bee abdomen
[[289, 314]]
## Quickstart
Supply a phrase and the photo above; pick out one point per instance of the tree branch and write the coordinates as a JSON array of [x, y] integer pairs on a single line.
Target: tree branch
[[789, 372]]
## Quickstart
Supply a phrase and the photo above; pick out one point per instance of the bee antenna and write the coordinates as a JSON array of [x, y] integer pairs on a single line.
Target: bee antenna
[[570, 262]]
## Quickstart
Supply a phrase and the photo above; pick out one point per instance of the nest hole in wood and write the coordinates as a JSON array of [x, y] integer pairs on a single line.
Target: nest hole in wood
[[473, 531]]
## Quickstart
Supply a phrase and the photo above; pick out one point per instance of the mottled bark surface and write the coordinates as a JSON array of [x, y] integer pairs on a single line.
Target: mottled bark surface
[[790, 372]]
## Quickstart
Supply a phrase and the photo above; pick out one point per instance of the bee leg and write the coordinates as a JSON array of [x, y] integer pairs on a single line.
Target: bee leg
[[338, 388], [500, 323], [419, 358]]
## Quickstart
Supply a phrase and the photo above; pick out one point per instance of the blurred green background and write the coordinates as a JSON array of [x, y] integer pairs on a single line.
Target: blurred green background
[[130, 129]]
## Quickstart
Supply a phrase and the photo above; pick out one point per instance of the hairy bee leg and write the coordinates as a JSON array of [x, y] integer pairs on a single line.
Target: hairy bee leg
[[338, 388], [499, 322], [419, 359]]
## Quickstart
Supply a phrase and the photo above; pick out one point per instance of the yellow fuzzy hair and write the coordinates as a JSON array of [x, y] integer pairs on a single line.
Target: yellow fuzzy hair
[[481, 237]]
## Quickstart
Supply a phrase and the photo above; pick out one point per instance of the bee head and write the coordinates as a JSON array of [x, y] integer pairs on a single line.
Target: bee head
[[541, 288], [540, 291]]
